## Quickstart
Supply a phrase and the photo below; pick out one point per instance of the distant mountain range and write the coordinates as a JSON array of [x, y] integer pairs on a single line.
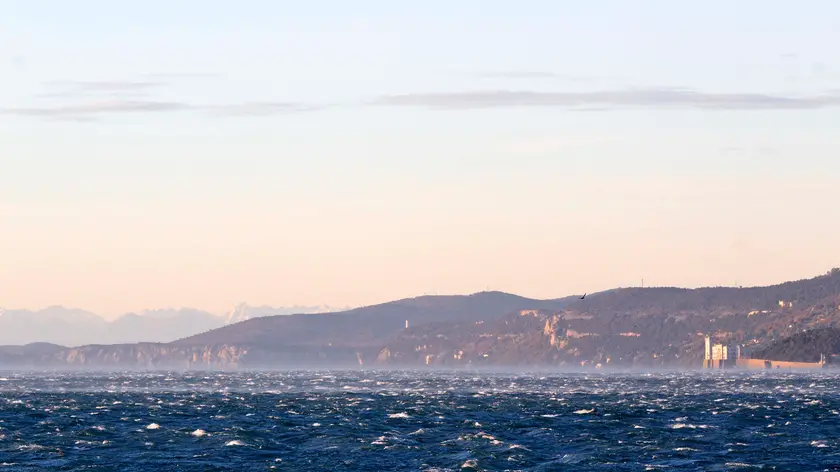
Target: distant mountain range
[[74, 327], [342, 338], [370, 324], [625, 327]]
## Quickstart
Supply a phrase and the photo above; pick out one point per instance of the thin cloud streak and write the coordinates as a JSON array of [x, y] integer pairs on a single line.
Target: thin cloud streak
[[119, 89], [98, 108], [89, 111], [100, 98], [640, 98], [660, 98]]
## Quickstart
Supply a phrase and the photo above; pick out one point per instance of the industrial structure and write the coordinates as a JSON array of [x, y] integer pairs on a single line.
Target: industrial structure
[[720, 356], [724, 356]]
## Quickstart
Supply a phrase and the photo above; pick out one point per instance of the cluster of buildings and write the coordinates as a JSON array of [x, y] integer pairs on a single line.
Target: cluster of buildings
[[720, 356], [724, 356]]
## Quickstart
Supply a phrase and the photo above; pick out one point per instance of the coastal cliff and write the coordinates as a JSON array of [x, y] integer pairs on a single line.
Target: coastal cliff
[[140, 355], [169, 356]]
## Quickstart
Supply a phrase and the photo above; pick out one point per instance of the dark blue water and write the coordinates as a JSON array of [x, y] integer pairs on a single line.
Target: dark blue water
[[420, 421]]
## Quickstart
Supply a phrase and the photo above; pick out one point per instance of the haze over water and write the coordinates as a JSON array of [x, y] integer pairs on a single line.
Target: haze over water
[[429, 421]]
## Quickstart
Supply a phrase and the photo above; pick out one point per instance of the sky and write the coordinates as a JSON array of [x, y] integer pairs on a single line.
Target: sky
[[206, 153]]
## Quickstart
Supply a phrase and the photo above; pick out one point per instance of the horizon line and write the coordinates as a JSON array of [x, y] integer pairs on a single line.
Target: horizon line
[[833, 271]]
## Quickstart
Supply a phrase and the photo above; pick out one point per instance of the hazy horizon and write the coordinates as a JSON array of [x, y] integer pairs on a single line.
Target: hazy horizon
[[152, 311], [200, 154], [308, 309]]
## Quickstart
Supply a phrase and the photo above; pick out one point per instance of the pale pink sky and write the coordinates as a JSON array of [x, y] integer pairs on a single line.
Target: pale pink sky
[[202, 154], [534, 239]]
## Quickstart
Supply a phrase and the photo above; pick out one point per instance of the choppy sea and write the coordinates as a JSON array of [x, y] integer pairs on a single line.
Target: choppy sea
[[418, 421]]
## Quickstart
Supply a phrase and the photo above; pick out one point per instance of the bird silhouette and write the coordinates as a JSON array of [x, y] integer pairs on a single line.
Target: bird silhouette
[[584, 296]]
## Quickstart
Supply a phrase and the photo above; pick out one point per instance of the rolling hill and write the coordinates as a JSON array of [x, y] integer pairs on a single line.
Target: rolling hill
[[371, 324], [625, 327], [805, 346]]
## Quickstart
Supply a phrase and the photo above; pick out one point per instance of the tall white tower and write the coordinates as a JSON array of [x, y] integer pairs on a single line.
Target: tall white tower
[[708, 348], [406, 324]]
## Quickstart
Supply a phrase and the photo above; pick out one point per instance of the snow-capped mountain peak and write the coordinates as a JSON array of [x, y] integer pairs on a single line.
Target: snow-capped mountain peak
[[237, 314], [243, 311]]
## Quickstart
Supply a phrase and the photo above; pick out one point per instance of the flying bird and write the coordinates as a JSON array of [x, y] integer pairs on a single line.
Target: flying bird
[[584, 296]]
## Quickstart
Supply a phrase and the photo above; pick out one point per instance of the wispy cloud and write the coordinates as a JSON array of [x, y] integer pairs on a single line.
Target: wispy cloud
[[638, 98], [90, 111], [101, 104], [96, 108], [89, 101], [66, 88]]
